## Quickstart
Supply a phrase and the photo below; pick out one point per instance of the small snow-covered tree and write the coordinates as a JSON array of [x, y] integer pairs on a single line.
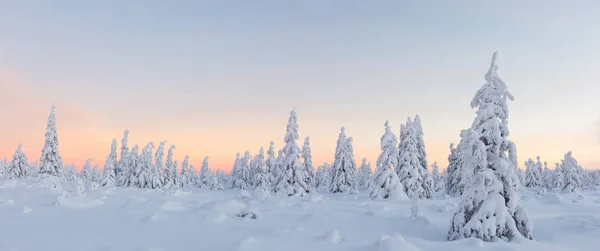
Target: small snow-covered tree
[[364, 176], [122, 165], [96, 175], [108, 173], [142, 177], [221, 178], [69, 174], [271, 162], [158, 170], [385, 181], [418, 134], [235, 171], [323, 177], [206, 175], [18, 167], [343, 178], [184, 179], [170, 176], [449, 177], [261, 177], [291, 178], [241, 178], [277, 169], [3, 167], [50, 161], [113, 156], [532, 177], [87, 173], [438, 180], [546, 177], [490, 208], [571, 174], [307, 162]]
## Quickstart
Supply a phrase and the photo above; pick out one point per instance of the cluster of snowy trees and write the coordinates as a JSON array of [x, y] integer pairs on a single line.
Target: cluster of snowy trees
[[482, 169]]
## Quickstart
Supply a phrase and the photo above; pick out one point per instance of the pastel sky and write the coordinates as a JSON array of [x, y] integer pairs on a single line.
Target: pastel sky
[[220, 77]]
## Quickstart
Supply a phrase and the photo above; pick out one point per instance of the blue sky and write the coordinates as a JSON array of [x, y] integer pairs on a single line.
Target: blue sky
[[233, 68]]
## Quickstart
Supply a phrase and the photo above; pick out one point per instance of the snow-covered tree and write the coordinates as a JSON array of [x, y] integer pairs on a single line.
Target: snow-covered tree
[[108, 173], [490, 208], [257, 165], [3, 166], [343, 178], [532, 177], [307, 163], [323, 177], [123, 161], [277, 170], [240, 174], [69, 174], [364, 176], [385, 181], [571, 174], [438, 180], [142, 177], [410, 172], [206, 175], [87, 172], [50, 161], [291, 179], [220, 174], [96, 175], [184, 179], [261, 179], [170, 176], [271, 162], [113, 156], [18, 167], [418, 134], [546, 176], [132, 162], [458, 178]]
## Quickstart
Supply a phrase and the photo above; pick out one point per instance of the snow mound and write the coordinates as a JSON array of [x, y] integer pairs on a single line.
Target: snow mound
[[92, 186], [370, 213], [395, 243], [77, 203], [180, 193], [333, 237], [316, 198], [219, 217], [172, 206], [249, 213], [245, 194], [226, 207], [8, 184], [551, 198], [246, 244], [8, 202], [27, 209]]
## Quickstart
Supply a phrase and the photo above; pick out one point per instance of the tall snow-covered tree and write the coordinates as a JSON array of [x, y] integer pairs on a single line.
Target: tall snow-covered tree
[[50, 161], [18, 167], [410, 172], [418, 134], [343, 178], [157, 174], [123, 159], [113, 155], [490, 208], [206, 175], [291, 179], [571, 174], [364, 176], [307, 162], [385, 181], [271, 162], [323, 178], [170, 176], [184, 179], [108, 173]]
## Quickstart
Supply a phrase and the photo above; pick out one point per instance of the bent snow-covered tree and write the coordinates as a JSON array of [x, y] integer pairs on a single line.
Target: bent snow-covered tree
[[490, 209], [291, 179], [50, 161], [385, 181]]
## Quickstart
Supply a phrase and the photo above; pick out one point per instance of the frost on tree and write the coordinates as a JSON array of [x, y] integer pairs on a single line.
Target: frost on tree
[[385, 181], [365, 175], [271, 162], [206, 175], [292, 177], [572, 179], [307, 162], [50, 161], [490, 208], [410, 172], [170, 177], [323, 178], [343, 178], [108, 173], [184, 179], [120, 168], [18, 167], [142, 176]]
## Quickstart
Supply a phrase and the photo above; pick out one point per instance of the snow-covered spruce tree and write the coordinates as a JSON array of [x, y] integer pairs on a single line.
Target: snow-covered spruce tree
[[122, 164], [463, 170], [410, 171], [220, 174], [132, 162], [50, 161], [113, 156], [3, 167], [438, 180], [242, 180], [87, 173], [307, 162], [142, 177], [364, 176], [184, 179], [206, 175], [546, 177], [18, 167], [70, 174], [108, 173], [531, 175], [261, 181], [385, 181], [449, 182], [571, 174], [490, 209], [170, 176], [235, 171], [343, 178], [418, 134], [158, 170], [291, 179], [520, 175], [276, 171], [215, 181], [323, 177], [96, 175], [257, 165], [271, 162]]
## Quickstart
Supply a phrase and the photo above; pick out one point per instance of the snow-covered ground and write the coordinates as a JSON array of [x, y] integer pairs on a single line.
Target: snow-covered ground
[[35, 217]]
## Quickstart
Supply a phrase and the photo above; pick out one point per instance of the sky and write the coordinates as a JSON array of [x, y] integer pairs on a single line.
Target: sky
[[219, 77]]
